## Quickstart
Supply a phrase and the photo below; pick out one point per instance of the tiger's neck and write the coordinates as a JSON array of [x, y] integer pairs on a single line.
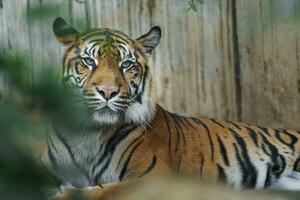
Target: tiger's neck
[[82, 158]]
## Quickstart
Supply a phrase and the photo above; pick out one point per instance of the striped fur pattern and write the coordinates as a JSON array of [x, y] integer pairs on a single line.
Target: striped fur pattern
[[137, 137]]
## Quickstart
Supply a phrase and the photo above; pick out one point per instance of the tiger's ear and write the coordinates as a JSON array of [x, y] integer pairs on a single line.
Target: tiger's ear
[[150, 40], [64, 32]]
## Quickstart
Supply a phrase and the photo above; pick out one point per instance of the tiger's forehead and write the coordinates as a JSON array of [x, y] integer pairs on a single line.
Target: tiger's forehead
[[102, 42]]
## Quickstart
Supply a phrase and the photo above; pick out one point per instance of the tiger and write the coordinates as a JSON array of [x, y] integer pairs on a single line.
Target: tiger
[[132, 136]]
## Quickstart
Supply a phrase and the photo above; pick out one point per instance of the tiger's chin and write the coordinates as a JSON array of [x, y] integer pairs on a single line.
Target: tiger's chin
[[107, 116], [108, 119]]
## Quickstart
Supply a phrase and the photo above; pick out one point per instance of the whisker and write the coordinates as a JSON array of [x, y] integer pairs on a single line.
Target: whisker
[[122, 102], [93, 102], [120, 106]]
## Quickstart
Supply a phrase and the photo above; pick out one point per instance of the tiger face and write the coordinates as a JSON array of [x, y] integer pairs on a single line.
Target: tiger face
[[110, 70]]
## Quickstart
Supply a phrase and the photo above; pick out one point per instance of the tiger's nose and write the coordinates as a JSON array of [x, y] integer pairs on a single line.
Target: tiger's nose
[[107, 92]]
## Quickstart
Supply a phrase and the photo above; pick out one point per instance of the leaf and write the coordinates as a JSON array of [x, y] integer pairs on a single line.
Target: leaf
[[194, 4]]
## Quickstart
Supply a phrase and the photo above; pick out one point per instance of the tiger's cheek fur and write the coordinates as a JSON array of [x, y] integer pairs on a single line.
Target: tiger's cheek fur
[[133, 79], [72, 65], [144, 107]]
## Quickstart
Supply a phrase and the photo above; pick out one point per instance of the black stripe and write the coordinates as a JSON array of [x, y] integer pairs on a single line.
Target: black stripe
[[112, 143], [264, 130], [130, 54], [179, 119], [134, 85], [180, 134], [124, 169], [92, 47], [248, 166], [293, 138], [69, 64], [120, 42], [67, 146], [273, 149], [253, 136], [121, 47], [86, 51], [214, 121], [198, 121], [266, 151], [144, 77], [279, 166], [94, 50], [136, 55], [102, 170], [169, 130], [296, 163], [84, 81], [150, 167], [223, 151], [180, 122], [221, 173], [128, 147], [178, 131], [186, 120], [138, 98], [268, 180], [242, 166], [236, 125]]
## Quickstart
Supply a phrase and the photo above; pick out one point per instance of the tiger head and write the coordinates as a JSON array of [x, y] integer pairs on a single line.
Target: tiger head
[[111, 71]]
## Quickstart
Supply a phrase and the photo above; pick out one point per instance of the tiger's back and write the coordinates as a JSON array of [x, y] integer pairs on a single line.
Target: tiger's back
[[241, 154]]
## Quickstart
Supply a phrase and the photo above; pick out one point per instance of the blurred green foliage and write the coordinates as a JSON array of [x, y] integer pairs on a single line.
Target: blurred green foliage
[[42, 12], [20, 173], [26, 109], [194, 4]]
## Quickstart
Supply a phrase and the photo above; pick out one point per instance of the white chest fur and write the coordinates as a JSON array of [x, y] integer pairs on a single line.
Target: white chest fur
[[87, 160], [74, 159]]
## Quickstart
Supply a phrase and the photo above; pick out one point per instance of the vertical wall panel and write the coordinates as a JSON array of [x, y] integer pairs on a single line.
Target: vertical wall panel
[[268, 56]]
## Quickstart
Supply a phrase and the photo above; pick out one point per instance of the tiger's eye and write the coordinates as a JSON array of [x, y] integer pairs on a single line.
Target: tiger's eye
[[126, 64], [89, 61]]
